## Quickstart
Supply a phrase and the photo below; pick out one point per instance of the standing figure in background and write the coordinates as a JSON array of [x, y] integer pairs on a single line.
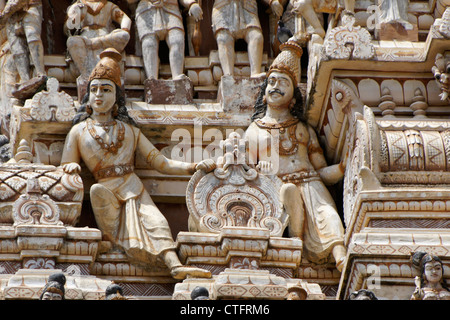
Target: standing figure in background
[[23, 22], [106, 139], [90, 29], [300, 164], [8, 79], [232, 20], [158, 20], [309, 9]]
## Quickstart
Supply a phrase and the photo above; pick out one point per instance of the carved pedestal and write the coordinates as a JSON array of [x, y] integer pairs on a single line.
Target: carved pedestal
[[237, 94], [248, 255], [179, 91], [396, 31], [27, 284]]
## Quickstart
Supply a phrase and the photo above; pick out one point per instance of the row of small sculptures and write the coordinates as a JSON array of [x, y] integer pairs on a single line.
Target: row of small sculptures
[[91, 28], [430, 285], [55, 289]]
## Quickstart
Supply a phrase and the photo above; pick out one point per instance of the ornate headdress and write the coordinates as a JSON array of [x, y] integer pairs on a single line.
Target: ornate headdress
[[288, 60], [108, 67]]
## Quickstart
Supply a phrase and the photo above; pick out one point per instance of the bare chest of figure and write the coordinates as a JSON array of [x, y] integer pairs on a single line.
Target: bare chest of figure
[[286, 148]]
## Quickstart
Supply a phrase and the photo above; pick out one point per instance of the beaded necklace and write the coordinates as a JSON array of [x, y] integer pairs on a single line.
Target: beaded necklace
[[112, 147], [291, 126]]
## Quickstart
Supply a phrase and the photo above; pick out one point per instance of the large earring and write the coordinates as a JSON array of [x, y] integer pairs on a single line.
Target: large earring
[[88, 109], [264, 100]]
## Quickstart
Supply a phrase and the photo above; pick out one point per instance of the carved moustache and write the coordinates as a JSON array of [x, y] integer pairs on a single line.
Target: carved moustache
[[276, 91]]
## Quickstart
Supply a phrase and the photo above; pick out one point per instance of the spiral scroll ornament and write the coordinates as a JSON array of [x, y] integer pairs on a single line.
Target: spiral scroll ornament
[[216, 200], [35, 208]]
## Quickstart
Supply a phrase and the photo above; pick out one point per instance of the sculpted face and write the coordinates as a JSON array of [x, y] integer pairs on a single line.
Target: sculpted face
[[51, 296], [433, 272], [279, 90], [102, 95]]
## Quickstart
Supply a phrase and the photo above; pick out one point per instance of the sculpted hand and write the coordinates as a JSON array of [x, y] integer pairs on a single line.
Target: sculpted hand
[[265, 167], [196, 11], [72, 167], [207, 165], [277, 8]]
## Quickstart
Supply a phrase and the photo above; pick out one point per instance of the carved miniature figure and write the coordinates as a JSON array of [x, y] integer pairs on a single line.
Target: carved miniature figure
[[239, 20], [430, 284], [296, 293], [162, 20], [200, 293], [441, 71], [90, 29], [362, 294], [105, 138], [8, 77], [389, 20], [22, 20], [114, 292], [309, 9], [301, 164], [54, 289], [395, 12]]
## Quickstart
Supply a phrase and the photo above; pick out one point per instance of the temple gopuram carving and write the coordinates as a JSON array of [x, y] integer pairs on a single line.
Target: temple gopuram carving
[[224, 150]]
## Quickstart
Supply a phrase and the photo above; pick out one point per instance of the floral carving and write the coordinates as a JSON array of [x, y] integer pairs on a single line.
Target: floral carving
[[349, 41], [235, 195], [52, 105], [35, 208]]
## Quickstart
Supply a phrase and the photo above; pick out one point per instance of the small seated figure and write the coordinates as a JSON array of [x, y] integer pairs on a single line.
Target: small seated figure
[[158, 20], [296, 157], [105, 137], [430, 285], [54, 289], [92, 24], [309, 9], [232, 20]]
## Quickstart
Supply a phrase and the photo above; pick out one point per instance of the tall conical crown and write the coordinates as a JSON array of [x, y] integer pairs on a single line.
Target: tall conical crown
[[108, 67], [288, 60]]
